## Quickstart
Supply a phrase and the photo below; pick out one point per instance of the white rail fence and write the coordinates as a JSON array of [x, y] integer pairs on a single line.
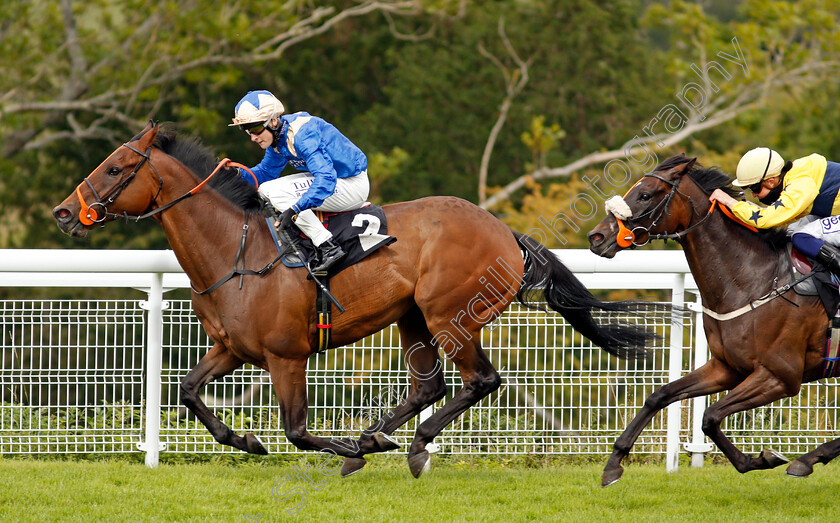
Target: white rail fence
[[99, 376]]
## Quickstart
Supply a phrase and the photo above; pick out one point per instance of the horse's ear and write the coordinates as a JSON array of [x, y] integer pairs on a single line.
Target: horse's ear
[[147, 136], [686, 167]]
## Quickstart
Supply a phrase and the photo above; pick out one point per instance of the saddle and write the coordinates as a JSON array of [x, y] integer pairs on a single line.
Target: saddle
[[824, 284], [821, 283], [360, 233]]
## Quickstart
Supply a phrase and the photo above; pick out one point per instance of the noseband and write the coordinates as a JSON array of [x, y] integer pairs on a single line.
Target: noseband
[[97, 212], [627, 237]]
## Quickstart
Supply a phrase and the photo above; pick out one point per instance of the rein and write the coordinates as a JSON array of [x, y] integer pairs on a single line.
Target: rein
[[715, 205], [89, 215]]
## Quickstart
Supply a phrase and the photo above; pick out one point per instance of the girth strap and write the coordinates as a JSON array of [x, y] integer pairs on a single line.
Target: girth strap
[[324, 306], [832, 352]]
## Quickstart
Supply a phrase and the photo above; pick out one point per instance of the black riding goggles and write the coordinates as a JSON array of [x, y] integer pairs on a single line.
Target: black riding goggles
[[756, 187], [255, 128]]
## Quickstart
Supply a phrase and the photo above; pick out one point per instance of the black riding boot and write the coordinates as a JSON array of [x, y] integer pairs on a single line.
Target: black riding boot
[[331, 252], [829, 256]]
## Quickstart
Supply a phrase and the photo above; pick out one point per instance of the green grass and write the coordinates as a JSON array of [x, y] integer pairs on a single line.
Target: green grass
[[456, 489]]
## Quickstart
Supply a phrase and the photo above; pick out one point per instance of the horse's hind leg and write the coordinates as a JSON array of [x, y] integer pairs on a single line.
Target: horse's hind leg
[[759, 388], [427, 387], [479, 378], [803, 466], [712, 377], [216, 363]]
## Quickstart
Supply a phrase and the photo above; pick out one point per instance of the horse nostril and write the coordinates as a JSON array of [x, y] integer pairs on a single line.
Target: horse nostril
[[61, 214], [596, 238]]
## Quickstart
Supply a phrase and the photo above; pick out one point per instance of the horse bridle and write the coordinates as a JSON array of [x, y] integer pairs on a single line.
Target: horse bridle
[[627, 237], [90, 215]]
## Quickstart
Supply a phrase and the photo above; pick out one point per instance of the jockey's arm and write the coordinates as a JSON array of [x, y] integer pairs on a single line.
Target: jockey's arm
[[723, 198], [321, 167], [308, 144], [795, 200], [269, 168]]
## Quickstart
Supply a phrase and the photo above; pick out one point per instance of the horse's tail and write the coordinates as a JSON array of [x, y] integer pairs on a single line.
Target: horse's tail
[[546, 277]]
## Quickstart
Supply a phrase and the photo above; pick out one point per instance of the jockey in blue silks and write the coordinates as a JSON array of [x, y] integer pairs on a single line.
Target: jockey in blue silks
[[333, 175]]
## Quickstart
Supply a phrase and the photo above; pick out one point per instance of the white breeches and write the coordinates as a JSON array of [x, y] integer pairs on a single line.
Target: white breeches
[[350, 193], [826, 229]]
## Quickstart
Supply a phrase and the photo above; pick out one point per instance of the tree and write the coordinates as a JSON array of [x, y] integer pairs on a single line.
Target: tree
[[80, 78], [444, 95], [780, 46]]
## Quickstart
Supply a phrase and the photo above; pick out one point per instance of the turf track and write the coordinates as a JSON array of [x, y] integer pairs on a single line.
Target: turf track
[[455, 490]]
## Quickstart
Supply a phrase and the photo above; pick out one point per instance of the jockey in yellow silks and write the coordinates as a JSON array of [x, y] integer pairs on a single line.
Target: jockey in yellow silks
[[803, 194]]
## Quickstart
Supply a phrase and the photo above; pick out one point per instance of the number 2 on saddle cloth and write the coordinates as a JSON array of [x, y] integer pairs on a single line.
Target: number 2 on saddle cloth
[[359, 232]]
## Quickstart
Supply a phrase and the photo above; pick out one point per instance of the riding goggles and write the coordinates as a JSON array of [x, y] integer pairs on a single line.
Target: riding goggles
[[756, 187], [252, 129]]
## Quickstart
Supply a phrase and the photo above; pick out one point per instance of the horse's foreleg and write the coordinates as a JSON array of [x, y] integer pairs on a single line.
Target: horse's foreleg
[[427, 387], [289, 379], [216, 363], [712, 377], [803, 466], [759, 388]]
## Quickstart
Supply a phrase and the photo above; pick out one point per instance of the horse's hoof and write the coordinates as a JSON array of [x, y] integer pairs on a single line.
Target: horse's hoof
[[611, 476], [253, 445], [384, 443], [798, 469], [773, 458], [419, 463], [352, 465]]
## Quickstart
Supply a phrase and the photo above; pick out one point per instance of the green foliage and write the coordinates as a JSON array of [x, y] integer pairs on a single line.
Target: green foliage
[[540, 140], [422, 107], [383, 167]]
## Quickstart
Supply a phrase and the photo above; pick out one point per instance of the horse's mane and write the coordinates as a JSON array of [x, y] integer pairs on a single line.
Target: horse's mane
[[201, 160], [711, 178]]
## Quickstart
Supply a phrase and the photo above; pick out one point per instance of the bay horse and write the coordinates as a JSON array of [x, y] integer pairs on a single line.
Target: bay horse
[[454, 269], [759, 355]]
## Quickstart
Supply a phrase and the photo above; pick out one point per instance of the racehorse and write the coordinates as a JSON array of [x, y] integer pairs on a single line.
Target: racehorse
[[759, 354], [454, 268]]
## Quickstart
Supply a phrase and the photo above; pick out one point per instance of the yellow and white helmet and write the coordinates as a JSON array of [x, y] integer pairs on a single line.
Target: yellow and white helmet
[[756, 165], [257, 107]]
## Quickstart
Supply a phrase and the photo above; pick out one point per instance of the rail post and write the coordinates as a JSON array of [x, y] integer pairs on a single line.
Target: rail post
[[673, 423], [154, 347], [698, 446]]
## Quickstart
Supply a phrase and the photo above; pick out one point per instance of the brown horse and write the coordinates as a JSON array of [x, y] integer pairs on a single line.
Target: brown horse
[[760, 355], [454, 269]]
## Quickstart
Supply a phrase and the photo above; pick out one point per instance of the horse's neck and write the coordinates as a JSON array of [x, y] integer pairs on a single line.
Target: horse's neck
[[728, 266], [204, 231]]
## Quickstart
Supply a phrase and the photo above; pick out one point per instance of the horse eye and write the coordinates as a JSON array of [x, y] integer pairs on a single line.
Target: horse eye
[[113, 171], [644, 196]]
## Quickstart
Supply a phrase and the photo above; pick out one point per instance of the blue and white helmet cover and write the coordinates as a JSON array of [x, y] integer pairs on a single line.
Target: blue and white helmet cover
[[257, 107]]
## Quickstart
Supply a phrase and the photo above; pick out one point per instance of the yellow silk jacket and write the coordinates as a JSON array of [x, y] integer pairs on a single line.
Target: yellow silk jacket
[[811, 186]]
